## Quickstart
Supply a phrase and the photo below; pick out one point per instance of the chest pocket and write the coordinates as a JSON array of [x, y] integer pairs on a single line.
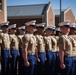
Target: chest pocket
[[20, 39], [14, 39], [74, 43], [13, 42], [40, 40], [48, 41], [68, 45], [5, 38], [31, 41], [67, 41]]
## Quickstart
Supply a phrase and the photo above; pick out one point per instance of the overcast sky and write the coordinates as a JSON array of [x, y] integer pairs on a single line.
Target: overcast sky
[[55, 3]]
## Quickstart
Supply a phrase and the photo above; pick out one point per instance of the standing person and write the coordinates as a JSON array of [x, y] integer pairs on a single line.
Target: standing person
[[5, 48], [40, 49], [58, 32], [57, 37], [53, 31], [65, 49], [48, 49], [72, 37], [54, 52], [14, 49], [20, 36], [29, 49], [72, 29]]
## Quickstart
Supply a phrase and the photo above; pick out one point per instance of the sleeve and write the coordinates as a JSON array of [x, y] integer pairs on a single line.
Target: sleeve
[[54, 41], [11, 42], [18, 39], [74, 42], [10, 39], [0, 39], [57, 39], [45, 40], [61, 43], [25, 40], [37, 40]]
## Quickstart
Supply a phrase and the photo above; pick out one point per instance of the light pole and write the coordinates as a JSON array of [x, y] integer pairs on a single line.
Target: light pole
[[60, 9]]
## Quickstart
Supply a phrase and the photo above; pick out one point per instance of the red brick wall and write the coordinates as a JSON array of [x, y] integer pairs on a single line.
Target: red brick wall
[[56, 21], [69, 16], [2, 12], [50, 17]]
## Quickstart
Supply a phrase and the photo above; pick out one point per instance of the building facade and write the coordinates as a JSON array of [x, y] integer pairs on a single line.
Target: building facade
[[40, 12], [24, 13], [66, 14], [3, 11]]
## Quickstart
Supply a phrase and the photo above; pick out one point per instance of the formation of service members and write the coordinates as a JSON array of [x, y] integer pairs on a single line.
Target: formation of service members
[[37, 49], [5, 49], [20, 36]]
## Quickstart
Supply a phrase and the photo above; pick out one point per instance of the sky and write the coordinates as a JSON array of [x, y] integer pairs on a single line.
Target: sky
[[55, 3]]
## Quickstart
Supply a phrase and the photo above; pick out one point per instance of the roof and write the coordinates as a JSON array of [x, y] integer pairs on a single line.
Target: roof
[[30, 10], [26, 10], [57, 11]]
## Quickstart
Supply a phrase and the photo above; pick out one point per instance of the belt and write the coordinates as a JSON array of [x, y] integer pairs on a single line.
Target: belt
[[54, 51], [31, 53], [48, 50], [41, 51], [68, 56], [5, 49], [14, 49], [73, 56], [20, 47]]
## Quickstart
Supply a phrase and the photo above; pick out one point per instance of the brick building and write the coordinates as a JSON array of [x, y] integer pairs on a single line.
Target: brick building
[[24, 13], [3, 11], [40, 12], [66, 14]]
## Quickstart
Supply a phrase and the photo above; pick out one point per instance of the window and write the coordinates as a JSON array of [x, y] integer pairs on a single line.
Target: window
[[0, 4], [0, 1]]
